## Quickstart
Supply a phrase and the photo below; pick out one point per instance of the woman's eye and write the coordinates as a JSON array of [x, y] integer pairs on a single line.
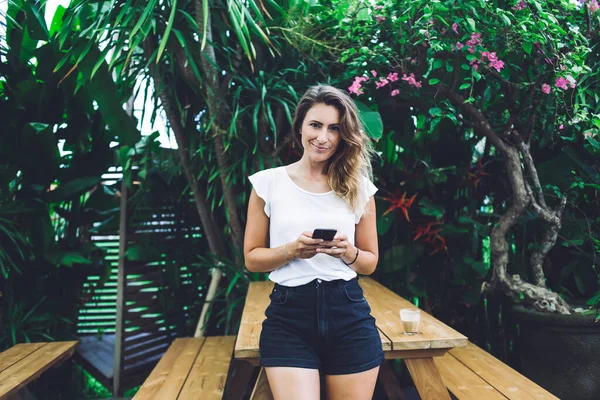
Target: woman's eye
[[335, 128], [314, 125]]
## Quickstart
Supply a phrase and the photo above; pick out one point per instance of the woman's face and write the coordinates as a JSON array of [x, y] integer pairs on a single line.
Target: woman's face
[[321, 132]]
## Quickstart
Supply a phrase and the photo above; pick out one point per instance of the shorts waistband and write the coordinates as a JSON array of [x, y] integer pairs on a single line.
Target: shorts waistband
[[321, 283]]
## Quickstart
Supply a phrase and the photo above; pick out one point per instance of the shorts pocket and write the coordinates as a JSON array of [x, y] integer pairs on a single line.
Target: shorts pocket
[[354, 293], [278, 296]]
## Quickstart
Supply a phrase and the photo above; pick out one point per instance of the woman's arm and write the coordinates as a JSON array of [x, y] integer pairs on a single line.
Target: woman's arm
[[257, 254], [365, 240]]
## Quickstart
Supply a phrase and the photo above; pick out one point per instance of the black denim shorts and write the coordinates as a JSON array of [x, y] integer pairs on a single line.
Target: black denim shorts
[[324, 325]]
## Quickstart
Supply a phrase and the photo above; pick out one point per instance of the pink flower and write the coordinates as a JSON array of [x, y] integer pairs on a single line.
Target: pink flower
[[411, 80], [392, 76], [374, 72], [561, 127], [546, 88], [382, 82], [593, 6], [498, 65], [475, 39], [520, 5], [378, 7], [379, 19], [459, 45], [455, 27], [356, 86], [561, 83], [395, 92]]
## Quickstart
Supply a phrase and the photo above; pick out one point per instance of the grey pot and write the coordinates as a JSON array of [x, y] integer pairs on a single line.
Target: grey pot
[[560, 352]]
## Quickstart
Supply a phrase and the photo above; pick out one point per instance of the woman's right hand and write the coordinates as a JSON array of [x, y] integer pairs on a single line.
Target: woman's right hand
[[305, 246]]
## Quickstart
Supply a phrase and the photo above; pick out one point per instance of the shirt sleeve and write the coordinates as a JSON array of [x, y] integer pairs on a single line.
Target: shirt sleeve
[[262, 183], [365, 191]]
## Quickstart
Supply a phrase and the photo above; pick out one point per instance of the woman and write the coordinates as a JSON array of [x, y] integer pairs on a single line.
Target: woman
[[318, 317]]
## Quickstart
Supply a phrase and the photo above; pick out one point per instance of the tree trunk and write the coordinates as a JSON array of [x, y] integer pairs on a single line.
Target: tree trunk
[[214, 95], [208, 224], [539, 296]]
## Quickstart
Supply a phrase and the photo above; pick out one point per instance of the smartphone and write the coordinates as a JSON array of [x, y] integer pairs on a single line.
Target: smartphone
[[325, 234]]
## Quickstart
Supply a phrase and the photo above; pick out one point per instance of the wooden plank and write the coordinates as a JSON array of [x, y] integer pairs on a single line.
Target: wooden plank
[[17, 352], [145, 354], [416, 353], [13, 378], [159, 374], [427, 379], [181, 370], [464, 383], [385, 307], [209, 373], [253, 315], [98, 353], [386, 343], [262, 390], [502, 377]]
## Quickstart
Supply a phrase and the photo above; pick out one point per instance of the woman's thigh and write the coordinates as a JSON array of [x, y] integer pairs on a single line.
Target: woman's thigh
[[294, 383], [359, 386]]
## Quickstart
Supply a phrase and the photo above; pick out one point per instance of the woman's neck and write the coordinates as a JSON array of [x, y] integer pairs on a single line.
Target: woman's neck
[[310, 169]]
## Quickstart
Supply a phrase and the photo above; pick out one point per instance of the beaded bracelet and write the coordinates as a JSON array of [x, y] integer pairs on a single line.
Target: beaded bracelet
[[355, 258]]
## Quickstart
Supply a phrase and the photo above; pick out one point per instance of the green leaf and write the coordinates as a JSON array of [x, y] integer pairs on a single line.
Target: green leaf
[[163, 42], [68, 258], [103, 90], [471, 24], [73, 188], [205, 21], [432, 210], [36, 25], [434, 81], [527, 47], [401, 257], [464, 86], [435, 112], [57, 20], [371, 120]]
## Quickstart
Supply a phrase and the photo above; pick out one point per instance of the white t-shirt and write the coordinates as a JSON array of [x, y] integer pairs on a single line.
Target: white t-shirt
[[293, 210]]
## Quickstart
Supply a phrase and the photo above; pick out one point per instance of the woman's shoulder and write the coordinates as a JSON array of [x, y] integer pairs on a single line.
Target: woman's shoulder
[[268, 172]]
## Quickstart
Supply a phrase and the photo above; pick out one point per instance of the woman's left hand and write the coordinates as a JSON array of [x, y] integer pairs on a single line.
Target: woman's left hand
[[336, 247]]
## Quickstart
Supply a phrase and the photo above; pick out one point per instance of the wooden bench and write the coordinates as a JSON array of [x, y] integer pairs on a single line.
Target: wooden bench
[[472, 373], [25, 362], [192, 368]]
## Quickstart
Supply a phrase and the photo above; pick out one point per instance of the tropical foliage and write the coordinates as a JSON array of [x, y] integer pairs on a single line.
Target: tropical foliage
[[486, 116]]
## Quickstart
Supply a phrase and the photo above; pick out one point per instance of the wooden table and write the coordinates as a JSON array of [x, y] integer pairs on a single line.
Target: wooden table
[[25, 362], [433, 340]]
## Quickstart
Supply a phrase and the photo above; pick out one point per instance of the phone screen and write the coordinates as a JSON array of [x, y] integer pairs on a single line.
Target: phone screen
[[325, 234]]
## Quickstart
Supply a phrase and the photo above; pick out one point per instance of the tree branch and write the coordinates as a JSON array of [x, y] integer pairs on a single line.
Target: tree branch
[[482, 125]]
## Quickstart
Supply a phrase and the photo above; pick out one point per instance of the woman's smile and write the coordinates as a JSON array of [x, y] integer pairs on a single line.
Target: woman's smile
[[320, 148]]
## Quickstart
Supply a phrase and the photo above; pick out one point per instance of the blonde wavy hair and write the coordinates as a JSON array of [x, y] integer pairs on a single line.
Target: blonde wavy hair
[[352, 159]]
